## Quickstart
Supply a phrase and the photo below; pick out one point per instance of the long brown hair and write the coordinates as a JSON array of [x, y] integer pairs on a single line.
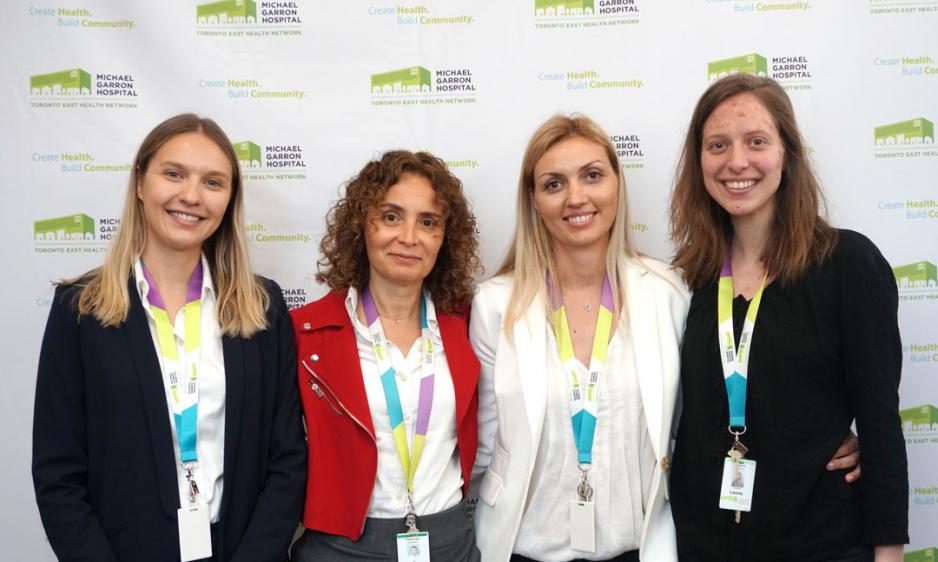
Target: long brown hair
[[344, 262], [242, 301], [700, 228]]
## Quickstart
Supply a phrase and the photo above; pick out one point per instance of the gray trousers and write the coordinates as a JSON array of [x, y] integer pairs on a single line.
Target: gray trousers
[[452, 539]]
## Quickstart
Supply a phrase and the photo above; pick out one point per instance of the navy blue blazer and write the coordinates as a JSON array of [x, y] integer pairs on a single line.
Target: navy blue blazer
[[103, 461]]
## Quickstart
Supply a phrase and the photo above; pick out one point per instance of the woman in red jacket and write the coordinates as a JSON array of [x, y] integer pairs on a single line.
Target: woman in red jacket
[[387, 376]]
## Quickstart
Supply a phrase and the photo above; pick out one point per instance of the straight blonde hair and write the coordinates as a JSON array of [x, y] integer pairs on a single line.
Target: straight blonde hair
[[242, 301], [530, 255]]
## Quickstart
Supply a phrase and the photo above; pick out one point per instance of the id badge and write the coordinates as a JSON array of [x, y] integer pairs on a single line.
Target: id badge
[[195, 535], [413, 547], [582, 526], [736, 488]]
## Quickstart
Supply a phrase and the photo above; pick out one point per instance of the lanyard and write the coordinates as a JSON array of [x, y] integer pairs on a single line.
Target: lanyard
[[583, 401], [180, 374], [409, 461], [735, 361]]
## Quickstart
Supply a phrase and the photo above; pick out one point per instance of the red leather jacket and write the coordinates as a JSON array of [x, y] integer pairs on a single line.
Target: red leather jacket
[[343, 456]]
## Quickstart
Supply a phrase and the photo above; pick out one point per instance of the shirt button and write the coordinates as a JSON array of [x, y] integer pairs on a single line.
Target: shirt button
[[307, 325], [402, 377], [314, 358]]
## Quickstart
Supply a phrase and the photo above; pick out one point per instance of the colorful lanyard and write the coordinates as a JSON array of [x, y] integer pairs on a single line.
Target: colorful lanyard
[[392, 397], [583, 402], [735, 361], [180, 374]]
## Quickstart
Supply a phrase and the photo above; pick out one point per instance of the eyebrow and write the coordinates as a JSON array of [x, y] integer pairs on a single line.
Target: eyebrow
[[583, 167], [765, 132], [399, 209], [183, 166]]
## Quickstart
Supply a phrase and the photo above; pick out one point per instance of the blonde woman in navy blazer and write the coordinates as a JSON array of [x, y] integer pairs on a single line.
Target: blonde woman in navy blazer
[[104, 459]]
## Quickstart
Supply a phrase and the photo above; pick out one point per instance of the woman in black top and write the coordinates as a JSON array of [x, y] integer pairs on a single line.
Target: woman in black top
[[825, 348]]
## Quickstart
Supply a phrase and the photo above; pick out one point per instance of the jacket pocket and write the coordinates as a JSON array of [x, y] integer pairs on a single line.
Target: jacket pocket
[[494, 479]]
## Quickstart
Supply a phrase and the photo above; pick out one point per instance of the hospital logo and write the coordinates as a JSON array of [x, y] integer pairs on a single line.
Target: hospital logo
[[421, 85], [78, 18], [585, 14], [924, 555], [917, 281], [629, 150], [73, 234], [295, 296], [792, 72], [248, 18], [271, 161], [887, 7], [79, 88], [418, 14], [913, 138]]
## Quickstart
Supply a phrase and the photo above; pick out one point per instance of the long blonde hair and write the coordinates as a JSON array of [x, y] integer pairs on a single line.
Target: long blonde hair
[[242, 301], [530, 254]]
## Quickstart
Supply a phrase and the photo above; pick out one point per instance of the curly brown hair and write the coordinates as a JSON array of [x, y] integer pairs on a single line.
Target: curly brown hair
[[344, 261]]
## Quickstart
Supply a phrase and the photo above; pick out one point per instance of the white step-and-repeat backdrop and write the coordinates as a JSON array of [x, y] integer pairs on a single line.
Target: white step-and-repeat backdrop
[[310, 90]]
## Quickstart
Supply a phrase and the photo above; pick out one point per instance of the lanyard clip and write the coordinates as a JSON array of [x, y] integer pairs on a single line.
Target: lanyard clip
[[411, 520], [193, 487], [584, 490]]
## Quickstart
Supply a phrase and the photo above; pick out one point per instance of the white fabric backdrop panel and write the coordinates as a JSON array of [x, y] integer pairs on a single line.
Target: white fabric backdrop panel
[[293, 85]]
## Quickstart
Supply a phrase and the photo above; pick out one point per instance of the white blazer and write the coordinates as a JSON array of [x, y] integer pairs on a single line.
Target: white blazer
[[513, 400]]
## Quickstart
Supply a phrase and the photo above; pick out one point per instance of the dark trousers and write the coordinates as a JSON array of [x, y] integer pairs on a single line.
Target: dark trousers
[[630, 556], [452, 538]]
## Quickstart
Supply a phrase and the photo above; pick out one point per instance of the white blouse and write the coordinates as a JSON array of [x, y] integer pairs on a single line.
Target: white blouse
[[438, 481], [210, 446], [622, 469]]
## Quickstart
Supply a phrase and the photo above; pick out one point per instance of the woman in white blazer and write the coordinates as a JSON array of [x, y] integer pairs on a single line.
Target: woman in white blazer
[[551, 492]]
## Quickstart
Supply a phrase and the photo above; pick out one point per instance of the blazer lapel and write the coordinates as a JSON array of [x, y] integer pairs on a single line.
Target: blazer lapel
[[530, 335], [237, 353], [647, 349], [147, 367]]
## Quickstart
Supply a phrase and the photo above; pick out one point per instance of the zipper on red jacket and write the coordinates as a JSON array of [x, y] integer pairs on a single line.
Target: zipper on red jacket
[[320, 393]]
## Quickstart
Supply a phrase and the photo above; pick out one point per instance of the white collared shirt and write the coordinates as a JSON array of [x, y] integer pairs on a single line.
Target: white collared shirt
[[210, 445], [438, 481], [621, 472]]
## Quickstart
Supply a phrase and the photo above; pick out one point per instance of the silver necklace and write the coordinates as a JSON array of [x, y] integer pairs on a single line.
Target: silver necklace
[[587, 307]]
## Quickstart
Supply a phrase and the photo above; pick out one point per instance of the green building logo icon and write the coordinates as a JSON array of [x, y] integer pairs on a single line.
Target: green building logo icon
[[411, 80], [918, 275], [226, 11], [923, 555], [919, 418], [249, 154], [563, 7], [913, 131], [752, 63], [71, 227], [74, 82]]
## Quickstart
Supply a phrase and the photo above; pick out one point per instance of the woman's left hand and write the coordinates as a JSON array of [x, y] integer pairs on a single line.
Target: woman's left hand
[[847, 456]]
